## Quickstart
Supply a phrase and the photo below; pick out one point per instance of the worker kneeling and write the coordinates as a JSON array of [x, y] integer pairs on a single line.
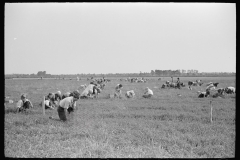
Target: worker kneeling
[[130, 94], [89, 91], [118, 92], [148, 93], [23, 104]]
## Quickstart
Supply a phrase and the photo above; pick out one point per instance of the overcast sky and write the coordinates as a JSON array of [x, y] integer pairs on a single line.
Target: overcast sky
[[75, 38]]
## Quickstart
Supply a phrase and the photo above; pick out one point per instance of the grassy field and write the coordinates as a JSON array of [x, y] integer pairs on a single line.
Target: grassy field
[[172, 124]]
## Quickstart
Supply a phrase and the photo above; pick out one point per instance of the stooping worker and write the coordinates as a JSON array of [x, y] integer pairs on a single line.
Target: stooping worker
[[96, 91], [49, 101], [23, 104], [58, 96], [178, 80], [178, 83], [66, 103], [148, 93], [118, 92], [48, 104], [52, 100], [89, 91], [130, 94]]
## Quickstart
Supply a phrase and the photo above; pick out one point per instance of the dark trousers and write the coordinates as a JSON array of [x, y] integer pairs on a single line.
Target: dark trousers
[[70, 109], [61, 113], [147, 96]]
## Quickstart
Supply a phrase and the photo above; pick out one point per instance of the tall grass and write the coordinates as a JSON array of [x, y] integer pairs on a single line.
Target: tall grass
[[165, 126]]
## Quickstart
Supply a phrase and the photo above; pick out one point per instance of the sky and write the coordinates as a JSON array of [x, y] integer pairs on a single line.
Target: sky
[[102, 38]]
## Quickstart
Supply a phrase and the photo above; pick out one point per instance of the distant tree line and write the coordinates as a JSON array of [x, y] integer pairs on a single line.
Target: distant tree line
[[156, 73], [166, 72]]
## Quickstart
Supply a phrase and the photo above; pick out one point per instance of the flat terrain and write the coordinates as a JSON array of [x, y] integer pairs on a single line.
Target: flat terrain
[[172, 124]]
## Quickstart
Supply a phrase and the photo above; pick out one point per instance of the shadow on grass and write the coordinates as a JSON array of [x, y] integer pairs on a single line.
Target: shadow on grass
[[56, 119]]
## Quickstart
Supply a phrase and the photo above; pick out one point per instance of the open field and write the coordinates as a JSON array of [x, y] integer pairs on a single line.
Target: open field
[[165, 126]]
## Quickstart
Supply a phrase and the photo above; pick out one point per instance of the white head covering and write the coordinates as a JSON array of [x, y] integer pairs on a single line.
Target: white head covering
[[59, 92]]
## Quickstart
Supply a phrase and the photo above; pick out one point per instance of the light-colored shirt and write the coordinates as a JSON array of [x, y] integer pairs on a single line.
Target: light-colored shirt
[[231, 88], [67, 102], [148, 92], [210, 87], [118, 89], [20, 103], [88, 89], [130, 93], [47, 102]]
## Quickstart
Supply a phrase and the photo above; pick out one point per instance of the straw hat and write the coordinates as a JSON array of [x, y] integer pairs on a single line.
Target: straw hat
[[76, 94], [59, 92]]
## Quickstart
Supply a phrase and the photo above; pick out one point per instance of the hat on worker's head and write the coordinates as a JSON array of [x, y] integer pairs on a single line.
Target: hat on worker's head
[[59, 92], [23, 96], [51, 95], [76, 94]]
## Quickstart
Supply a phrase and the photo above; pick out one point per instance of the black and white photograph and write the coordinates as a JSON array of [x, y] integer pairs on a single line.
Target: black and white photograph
[[119, 80]]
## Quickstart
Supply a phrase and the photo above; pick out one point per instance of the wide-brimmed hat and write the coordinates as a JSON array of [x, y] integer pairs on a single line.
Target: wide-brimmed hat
[[76, 94]]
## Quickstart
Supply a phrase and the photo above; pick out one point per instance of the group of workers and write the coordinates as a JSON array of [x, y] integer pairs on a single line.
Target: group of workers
[[130, 94], [66, 103]]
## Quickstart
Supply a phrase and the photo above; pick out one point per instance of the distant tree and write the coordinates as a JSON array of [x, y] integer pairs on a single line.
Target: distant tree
[[159, 72], [165, 72], [41, 73], [152, 72]]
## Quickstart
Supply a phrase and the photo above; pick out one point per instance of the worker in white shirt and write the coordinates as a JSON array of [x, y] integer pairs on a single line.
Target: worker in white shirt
[[130, 94], [88, 91], [118, 92], [49, 101], [66, 103], [148, 93], [23, 104]]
